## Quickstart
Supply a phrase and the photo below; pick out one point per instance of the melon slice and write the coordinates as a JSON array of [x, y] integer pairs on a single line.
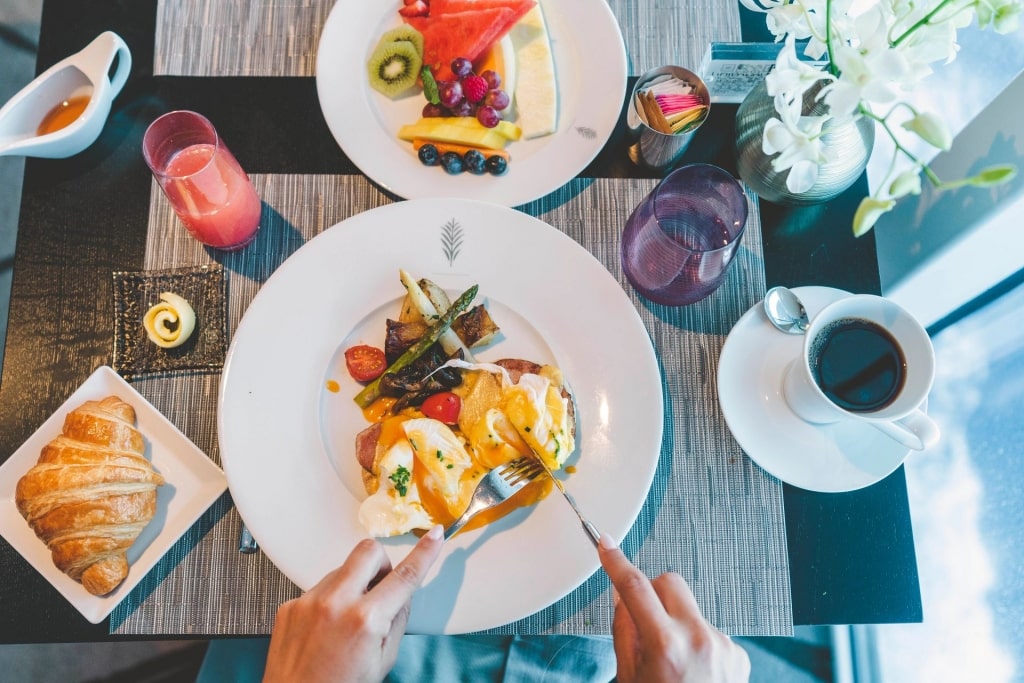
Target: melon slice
[[519, 7], [460, 34]]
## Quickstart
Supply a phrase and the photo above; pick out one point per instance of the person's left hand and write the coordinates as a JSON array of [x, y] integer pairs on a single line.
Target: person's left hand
[[347, 628]]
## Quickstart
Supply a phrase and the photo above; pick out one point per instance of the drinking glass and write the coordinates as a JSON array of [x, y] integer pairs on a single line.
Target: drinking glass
[[206, 187], [679, 241]]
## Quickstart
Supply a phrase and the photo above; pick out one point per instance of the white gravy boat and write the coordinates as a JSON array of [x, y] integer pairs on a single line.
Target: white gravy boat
[[85, 74]]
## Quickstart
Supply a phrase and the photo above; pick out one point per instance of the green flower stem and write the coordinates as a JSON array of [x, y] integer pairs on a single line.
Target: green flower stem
[[828, 38], [929, 173], [926, 19]]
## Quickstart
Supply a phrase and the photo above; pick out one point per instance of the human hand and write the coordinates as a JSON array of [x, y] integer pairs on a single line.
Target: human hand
[[347, 628], [659, 632]]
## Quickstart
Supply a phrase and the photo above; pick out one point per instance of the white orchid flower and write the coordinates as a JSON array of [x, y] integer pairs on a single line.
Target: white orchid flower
[[931, 129], [761, 5], [1003, 15], [906, 183], [797, 141], [868, 213], [932, 43], [788, 20], [875, 50], [791, 76]]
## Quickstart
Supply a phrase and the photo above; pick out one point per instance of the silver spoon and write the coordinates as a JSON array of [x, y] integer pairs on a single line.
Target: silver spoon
[[785, 310]]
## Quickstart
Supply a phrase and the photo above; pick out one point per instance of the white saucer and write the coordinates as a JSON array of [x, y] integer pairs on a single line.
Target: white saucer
[[829, 458]]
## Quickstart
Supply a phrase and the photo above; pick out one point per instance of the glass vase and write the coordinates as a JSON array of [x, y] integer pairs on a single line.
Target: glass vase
[[849, 146]]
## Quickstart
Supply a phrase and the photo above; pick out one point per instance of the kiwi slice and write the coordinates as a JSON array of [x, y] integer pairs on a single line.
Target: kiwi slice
[[406, 33], [393, 67]]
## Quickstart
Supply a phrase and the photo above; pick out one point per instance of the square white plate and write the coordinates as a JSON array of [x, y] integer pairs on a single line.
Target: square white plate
[[193, 483]]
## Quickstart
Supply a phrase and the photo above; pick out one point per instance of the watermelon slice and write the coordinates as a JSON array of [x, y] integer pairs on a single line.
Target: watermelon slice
[[460, 34], [520, 7]]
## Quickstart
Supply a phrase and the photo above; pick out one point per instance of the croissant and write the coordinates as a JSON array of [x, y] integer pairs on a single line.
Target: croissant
[[91, 493]]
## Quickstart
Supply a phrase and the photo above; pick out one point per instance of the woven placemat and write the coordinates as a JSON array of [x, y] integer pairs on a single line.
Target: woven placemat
[[280, 37], [712, 514]]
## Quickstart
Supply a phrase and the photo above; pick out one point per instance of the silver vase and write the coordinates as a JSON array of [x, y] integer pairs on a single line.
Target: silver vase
[[850, 145]]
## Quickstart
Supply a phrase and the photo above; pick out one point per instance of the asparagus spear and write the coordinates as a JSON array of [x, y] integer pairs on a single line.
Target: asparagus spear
[[371, 392], [450, 341]]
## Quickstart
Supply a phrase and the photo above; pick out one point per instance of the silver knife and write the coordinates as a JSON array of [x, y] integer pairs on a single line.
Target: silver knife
[[592, 532]]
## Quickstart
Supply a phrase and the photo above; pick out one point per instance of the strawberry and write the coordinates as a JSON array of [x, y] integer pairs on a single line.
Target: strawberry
[[415, 8], [474, 88]]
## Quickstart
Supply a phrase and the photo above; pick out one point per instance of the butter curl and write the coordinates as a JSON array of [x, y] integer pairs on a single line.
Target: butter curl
[[171, 322]]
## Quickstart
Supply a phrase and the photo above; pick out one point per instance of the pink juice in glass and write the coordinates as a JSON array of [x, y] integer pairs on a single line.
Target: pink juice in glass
[[202, 180], [213, 196]]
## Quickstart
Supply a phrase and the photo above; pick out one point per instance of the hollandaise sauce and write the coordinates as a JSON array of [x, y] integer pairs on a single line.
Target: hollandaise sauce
[[444, 511], [63, 114]]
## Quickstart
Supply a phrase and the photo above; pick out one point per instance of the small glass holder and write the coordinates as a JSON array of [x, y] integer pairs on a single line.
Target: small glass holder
[[660, 132]]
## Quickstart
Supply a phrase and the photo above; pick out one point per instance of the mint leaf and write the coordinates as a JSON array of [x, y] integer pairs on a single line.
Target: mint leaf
[[430, 86]]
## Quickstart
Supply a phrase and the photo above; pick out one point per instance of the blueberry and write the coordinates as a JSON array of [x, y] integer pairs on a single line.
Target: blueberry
[[451, 162], [428, 155], [474, 162], [497, 165]]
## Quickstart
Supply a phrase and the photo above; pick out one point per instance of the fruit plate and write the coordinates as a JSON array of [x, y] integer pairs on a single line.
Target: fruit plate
[[288, 441], [590, 68]]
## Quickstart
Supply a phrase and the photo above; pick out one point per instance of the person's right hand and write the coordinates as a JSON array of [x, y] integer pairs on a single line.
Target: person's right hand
[[659, 632], [347, 628]]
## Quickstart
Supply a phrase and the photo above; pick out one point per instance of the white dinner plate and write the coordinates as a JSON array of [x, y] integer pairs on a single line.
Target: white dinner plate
[[193, 483], [590, 66], [287, 440], [844, 456]]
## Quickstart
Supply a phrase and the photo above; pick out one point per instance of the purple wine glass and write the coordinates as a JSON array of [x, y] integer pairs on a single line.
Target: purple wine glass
[[679, 241]]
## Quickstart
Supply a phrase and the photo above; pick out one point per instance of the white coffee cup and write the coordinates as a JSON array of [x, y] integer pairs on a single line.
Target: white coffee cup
[[839, 377]]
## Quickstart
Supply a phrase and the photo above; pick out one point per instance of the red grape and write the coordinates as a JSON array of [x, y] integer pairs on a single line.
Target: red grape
[[463, 108], [432, 110], [493, 78], [498, 99], [450, 93], [461, 67], [487, 116]]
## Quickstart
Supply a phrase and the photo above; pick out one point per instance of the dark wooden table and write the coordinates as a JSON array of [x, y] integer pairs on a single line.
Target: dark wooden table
[[851, 555]]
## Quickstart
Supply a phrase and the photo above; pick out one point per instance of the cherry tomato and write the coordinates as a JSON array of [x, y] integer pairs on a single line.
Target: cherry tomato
[[365, 363], [444, 406]]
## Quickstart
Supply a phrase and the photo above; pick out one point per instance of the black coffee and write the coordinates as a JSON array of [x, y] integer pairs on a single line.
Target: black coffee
[[858, 365]]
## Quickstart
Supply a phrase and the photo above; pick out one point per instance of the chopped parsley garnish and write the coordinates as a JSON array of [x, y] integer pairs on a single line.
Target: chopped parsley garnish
[[440, 455], [400, 479]]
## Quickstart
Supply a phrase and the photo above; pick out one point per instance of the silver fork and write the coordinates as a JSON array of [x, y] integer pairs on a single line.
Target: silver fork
[[497, 486]]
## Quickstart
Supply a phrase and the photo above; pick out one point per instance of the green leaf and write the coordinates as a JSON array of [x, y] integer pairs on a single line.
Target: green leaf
[[430, 86]]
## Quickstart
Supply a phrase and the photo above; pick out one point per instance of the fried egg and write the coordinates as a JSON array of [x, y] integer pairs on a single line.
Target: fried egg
[[396, 507], [442, 459], [429, 470], [494, 439], [538, 411]]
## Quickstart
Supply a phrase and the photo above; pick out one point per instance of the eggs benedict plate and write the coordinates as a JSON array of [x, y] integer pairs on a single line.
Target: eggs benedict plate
[[288, 422]]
